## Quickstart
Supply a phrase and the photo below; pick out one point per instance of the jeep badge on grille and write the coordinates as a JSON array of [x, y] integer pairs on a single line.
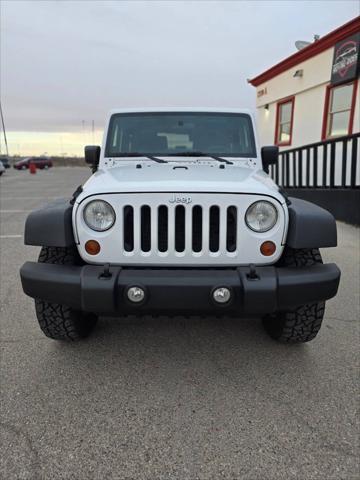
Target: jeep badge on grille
[[180, 199]]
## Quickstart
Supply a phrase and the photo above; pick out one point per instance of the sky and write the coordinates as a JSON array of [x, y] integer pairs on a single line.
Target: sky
[[65, 64]]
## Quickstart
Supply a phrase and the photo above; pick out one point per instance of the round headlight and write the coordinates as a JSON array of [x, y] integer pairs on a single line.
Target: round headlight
[[261, 216], [99, 215]]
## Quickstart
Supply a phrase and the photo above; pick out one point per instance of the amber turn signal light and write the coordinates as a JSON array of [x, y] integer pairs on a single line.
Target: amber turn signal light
[[92, 247], [268, 248]]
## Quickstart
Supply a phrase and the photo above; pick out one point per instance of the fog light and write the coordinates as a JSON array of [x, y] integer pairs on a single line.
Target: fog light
[[268, 248], [92, 247], [135, 294], [221, 295]]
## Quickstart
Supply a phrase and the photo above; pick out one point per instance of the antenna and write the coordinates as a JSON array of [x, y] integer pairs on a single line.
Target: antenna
[[300, 44]]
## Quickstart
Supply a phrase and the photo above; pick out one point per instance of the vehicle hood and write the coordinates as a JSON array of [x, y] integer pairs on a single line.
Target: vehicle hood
[[184, 178]]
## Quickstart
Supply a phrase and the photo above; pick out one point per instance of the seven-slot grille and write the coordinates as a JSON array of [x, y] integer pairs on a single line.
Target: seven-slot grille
[[187, 229], [180, 228]]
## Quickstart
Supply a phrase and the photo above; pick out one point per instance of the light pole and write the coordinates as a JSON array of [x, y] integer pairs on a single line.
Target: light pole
[[3, 125]]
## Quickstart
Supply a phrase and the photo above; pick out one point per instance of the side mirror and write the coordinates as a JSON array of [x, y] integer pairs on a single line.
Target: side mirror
[[92, 156], [269, 156]]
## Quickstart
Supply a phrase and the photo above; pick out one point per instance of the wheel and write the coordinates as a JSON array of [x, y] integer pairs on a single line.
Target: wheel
[[1, 173], [46, 167], [24, 167], [303, 323], [61, 322]]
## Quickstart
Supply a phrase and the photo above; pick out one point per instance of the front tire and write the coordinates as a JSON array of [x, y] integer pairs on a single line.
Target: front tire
[[303, 323], [61, 322]]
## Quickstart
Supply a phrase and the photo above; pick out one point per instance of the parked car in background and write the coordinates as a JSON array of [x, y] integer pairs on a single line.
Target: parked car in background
[[5, 161], [40, 162], [2, 168]]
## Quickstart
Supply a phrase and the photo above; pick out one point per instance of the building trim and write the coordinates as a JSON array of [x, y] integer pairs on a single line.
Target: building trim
[[326, 112], [353, 105], [330, 87], [327, 41], [291, 100]]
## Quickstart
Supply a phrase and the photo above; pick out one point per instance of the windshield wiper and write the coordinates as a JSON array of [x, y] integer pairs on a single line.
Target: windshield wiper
[[200, 154], [136, 154]]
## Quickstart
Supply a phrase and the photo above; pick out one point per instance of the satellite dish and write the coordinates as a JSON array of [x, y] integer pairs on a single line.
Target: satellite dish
[[300, 44]]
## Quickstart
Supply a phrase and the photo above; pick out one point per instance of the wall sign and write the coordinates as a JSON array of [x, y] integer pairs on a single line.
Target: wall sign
[[261, 92], [346, 60]]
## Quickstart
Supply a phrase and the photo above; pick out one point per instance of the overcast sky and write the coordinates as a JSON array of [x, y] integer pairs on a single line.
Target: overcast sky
[[63, 62]]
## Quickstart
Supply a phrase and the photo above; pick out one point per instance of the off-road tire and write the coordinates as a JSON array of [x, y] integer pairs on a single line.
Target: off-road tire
[[303, 323], [61, 322]]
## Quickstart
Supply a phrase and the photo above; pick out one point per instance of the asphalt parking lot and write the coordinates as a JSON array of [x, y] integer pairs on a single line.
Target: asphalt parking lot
[[172, 398]]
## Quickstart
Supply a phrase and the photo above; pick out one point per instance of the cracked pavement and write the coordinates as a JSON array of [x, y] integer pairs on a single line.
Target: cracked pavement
[[175, 398]]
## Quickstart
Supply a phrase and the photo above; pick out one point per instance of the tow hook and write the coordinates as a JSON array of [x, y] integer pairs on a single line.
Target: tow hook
[[106, 273], [252, 275]]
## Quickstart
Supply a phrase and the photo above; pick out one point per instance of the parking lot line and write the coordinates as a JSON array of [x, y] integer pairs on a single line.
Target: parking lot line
[[15, 211], [28, 198], [10, 236]]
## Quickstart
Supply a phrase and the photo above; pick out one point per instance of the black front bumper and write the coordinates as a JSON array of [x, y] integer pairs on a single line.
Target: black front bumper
[[179, 291]]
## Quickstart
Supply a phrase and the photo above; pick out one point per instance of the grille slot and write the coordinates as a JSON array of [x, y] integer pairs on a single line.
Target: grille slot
[[197, 228], [231, 227], [163, 219], [214, 228], [145, 228], [180, 228], [128, 228]]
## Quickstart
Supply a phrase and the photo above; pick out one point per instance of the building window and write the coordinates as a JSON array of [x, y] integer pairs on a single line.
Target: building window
[[339, 110], [284, 121]]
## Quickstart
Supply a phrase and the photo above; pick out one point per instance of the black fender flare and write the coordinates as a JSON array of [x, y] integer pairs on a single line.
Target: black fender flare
[[310, 226], [50, 226]]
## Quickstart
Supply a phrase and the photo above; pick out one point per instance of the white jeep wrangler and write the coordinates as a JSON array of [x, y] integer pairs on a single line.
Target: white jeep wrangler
[[180, 217]]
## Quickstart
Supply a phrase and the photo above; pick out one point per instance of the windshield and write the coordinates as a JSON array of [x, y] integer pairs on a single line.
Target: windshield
[[222, 134]]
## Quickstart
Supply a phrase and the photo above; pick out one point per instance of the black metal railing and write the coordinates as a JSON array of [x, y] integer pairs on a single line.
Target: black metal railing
[[328, 164]]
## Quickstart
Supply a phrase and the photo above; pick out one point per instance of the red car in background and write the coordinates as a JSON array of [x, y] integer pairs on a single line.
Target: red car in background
[[40, 162]]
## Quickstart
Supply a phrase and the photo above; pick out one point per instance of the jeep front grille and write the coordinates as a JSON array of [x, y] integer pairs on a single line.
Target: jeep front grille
[[191, 228], [187, 229]]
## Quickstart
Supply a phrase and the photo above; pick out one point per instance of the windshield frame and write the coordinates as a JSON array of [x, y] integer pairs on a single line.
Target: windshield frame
[[250, 154]]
